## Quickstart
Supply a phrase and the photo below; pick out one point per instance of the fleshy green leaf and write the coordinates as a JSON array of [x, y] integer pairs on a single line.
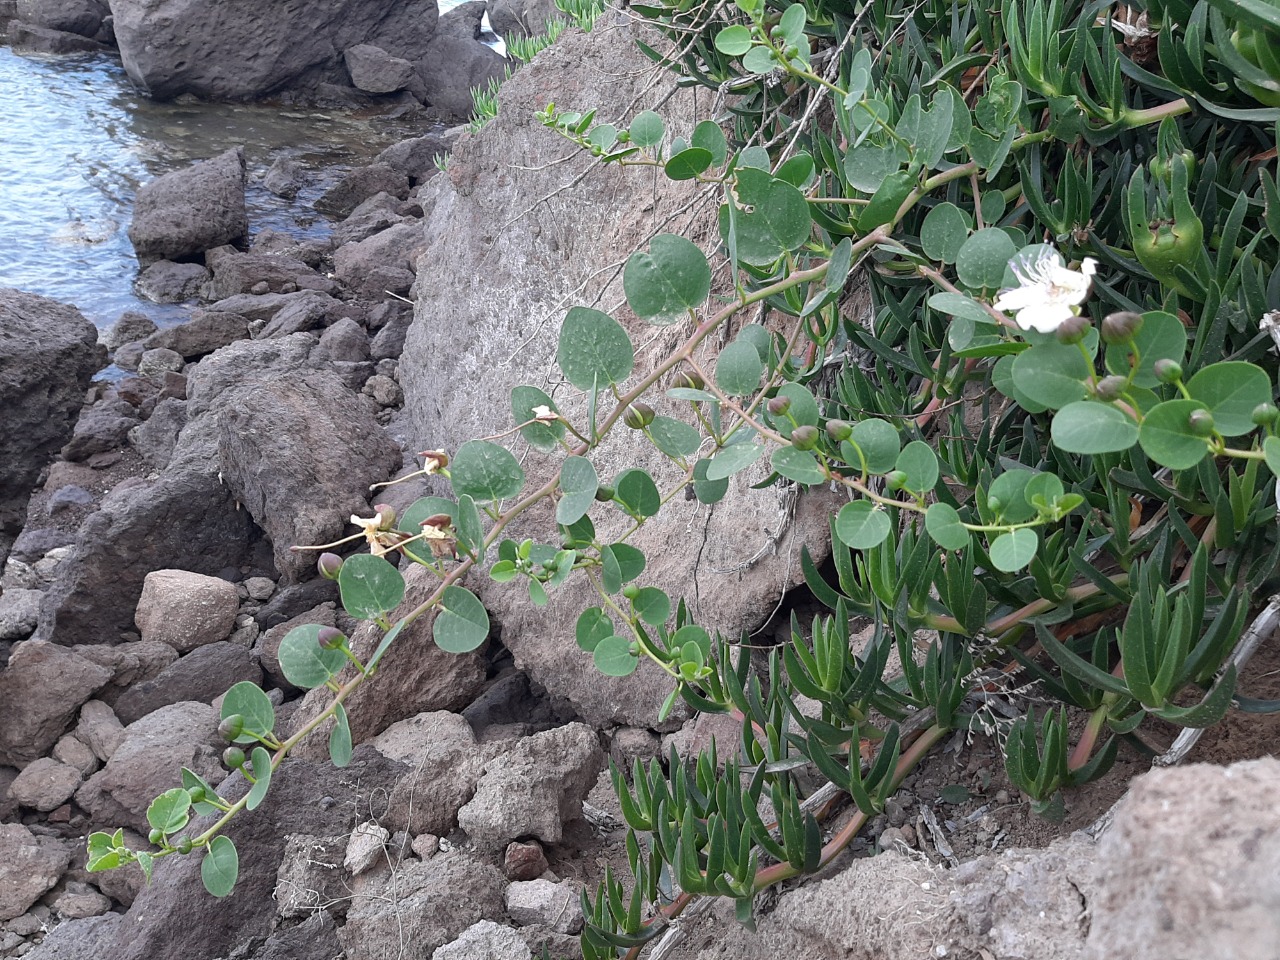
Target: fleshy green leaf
[[1162, 337], [260, 760], [918, 461], [340, 738], [708, 491], [540, 436], [861, 525], [943, 523], [169, 812], [1012, 551], [879, 443], [687, 164], [734, 41], [652, 606], [462, 623], [1231, 390], [304, 662], [1166, 436], [485, 472], [674, 438], [250, 702], [1052, 374], [578, 486], [1089, 427], [798, 465], [738, 368], [710, 137], [733, 458], [981, 259], [646, 129], [592, 627], [637, 493], [220, 866], [613, 657], [669, 279], [943, 233], [594, 351]]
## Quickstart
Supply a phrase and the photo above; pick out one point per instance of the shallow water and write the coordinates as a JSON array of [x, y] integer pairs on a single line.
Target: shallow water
[[76, 140]]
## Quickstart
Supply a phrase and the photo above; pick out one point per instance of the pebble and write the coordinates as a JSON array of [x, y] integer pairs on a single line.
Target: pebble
[[260, 588], [426, 845], [892, 835]]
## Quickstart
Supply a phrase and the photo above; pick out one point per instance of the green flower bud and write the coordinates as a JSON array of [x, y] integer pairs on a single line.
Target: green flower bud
[[839, 430], [690, 380], [1072, 330], [1121, 327], [604, 493], [1200, 422], [330, 638], [778, 406], [386, 516], [804, 437], [1265, 414], [184, 845], [233, 758], [196, 793], [231, 727], [895, 480], [634, 648], [1167, 371], [631, 591], [329, 565], [638, 416], [1109, 388], [995, 504], [156, 836]]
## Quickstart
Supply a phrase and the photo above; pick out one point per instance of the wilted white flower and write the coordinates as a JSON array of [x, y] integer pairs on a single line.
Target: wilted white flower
[[545, 414], [1047, 292]]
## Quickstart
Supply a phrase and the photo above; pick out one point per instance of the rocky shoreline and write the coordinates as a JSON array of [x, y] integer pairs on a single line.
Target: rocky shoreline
[[147, 526]]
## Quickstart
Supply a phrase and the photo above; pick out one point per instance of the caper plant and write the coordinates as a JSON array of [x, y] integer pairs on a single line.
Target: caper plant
[[1053, 433]]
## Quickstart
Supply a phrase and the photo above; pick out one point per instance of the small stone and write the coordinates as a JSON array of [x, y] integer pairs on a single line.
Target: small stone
[[80, 901], [19, 613], [385, 391], [27, 925], [891, 837], [524, 861], [261, 288], [485, 940], [100, 729], [554, 905], [426, 845], [75, 753], [29, 865], [260, 588], [365, 848], [1002, 796], [186, 610], [108, 458], [68, 497], [154, 363], [45, 784]]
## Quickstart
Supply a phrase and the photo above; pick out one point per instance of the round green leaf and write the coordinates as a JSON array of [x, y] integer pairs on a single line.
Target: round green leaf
[[592, 627], [943, 524], [668, 280], [369, 585], [1089, 427], [879, 443], [304, 662], [340, 738], [1166, 437], [687, 164], [1231, 390], [1052, 374], [260, 760], [803, 410], [778, 221], [918, 461], [613, 657], [867, 165], [943, 233], [710, 137], [1002, 380], [708, 491], [169, 812], [675, 439], [541, 436], [250, 702], [652, 606], [220, 866], [1012, 551], [1271, 451], [798, 465], [861, 525], [759, 59], [485, 471], [733, 458], [791, 25], [1162, 337], [646, 129], [410, 522], [594, 351], [738, 369], [981, 259], [958, 305], [192, 779], [578, 486], [637, 493], [1010, 489], [734, 41], [462, 623]]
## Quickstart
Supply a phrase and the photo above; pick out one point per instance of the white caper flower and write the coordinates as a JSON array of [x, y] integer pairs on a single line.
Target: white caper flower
[[1047, 292], [544, 414]]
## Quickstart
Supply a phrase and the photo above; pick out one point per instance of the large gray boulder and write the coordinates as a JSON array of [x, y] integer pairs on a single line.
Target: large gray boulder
[[42, 687], [300, 454], [230, 50], [83, 17], [189, 211], [548, 233], [522, 18], [48, 354], [29, 865], [456, 61]]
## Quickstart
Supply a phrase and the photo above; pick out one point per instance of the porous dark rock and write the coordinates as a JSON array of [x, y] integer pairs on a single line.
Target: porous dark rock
[[377, 213], [456, 61], [100, 729], [45, 784], [416, 157], [186, 212], [48, 353], [440, 750], [45, 685], [156, 436], [300, 455], [82, 17], [521, 18], [345, 340], [205, 332], [285, 178], [104, 426], [358, 186], [168, 282], [223, 50], [19, 613], [483, 940], [30, 38], [381, 263], [235, 272], [29, 866], [203, 675], [310, 876], [373, 70]]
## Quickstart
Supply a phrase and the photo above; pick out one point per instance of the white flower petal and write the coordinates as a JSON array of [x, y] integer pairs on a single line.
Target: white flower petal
[[1043, 317], [1019, 298]]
